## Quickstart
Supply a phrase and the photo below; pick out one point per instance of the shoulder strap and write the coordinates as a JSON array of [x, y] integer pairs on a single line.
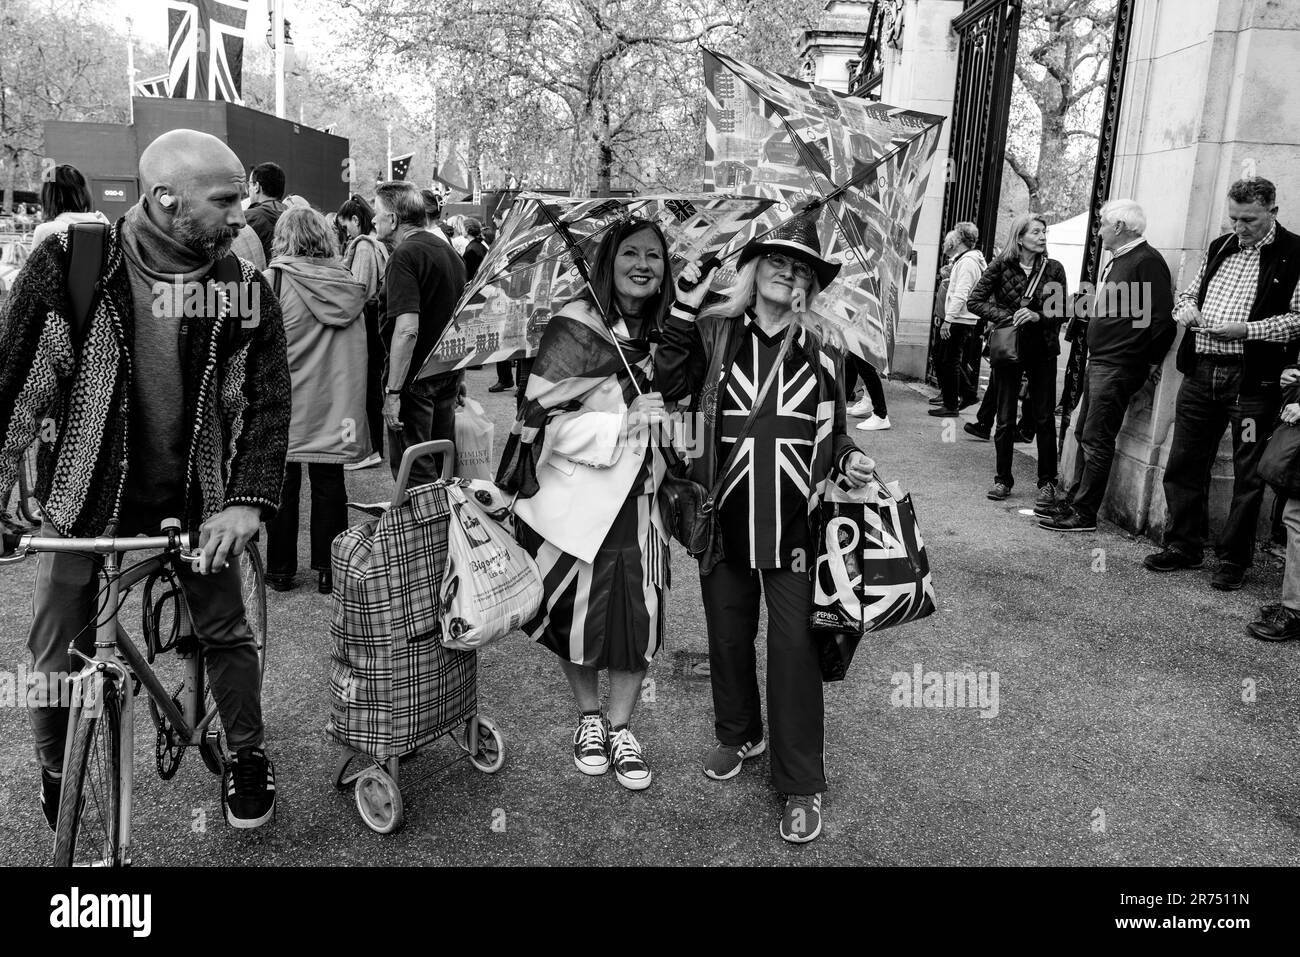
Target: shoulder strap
[[87, 253]]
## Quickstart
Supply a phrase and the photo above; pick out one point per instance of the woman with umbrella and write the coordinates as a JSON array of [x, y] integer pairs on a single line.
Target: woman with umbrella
[[771, 401], [582, 460]]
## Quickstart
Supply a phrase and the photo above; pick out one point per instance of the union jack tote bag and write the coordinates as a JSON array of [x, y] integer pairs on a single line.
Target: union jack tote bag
[[871, 573]]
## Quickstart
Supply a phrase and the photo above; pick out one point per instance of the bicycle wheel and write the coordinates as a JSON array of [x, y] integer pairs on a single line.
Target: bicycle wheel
[[90, 805]]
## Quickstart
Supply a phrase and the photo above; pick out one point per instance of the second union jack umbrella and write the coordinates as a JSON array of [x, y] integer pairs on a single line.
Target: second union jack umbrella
[[532, 268], [859, 167]]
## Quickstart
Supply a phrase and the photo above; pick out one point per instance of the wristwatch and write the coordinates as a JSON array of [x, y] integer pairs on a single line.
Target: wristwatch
[[392, 392]]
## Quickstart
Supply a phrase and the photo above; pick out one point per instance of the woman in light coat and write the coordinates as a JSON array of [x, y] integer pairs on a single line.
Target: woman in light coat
[[326, 340]]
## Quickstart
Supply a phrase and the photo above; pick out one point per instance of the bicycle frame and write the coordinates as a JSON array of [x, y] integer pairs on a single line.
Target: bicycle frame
[[113, 647]]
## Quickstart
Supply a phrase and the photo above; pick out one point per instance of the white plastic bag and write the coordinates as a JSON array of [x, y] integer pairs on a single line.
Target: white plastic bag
[[491, 585], [474, 432]]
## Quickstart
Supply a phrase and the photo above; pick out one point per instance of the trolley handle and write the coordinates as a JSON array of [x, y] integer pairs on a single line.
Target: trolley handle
[[438, 446]]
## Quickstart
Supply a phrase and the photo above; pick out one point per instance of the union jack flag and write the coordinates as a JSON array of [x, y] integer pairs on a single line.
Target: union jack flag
[[205, 49], [154, 86]]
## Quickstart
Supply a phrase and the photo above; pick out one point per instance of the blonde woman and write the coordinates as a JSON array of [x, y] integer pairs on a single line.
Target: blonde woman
[[774, 477]]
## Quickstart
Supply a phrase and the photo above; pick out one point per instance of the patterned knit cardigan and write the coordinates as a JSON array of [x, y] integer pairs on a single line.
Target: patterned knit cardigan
[[236, 388]]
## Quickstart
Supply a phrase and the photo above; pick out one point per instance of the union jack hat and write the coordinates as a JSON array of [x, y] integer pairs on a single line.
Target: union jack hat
[[798, 240]]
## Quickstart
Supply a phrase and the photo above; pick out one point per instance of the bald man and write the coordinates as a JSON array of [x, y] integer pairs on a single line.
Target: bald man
[[171, 399]]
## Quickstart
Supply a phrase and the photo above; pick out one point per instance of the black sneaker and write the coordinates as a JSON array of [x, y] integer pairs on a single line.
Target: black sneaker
[[1045, 503], [943, 412], [591, 744], [1068, 521], [971, 428], [936, 399], [999, 491], [1284, 626], [1171, 560], [1228, 577], [501, 386], [50, 787], [248, 789]]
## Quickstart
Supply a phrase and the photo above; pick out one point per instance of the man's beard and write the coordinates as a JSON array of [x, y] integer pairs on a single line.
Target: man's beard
[[211, 246]]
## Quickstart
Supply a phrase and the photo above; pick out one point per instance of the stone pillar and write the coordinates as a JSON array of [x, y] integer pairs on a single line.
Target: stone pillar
[[921, 74], [1209, 96]]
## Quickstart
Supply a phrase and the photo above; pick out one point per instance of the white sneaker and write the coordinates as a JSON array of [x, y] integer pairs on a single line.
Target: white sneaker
[[370, 461], [860, 409], [874, 424]]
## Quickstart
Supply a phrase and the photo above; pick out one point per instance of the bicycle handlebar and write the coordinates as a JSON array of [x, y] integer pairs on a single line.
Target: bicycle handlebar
[[103, 545]]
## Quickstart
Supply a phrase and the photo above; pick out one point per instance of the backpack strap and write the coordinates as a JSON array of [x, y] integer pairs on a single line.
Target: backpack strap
[[87, 255]]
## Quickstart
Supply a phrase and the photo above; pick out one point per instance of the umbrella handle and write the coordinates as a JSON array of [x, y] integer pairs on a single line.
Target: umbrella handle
[[713, 262]]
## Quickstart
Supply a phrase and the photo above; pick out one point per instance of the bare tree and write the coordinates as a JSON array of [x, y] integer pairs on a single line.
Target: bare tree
[[1062, 67]]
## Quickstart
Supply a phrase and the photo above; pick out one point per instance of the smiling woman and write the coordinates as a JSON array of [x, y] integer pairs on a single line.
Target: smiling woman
[[581, 447]]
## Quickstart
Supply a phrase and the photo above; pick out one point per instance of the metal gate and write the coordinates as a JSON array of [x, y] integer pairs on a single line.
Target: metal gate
[[987, 32]]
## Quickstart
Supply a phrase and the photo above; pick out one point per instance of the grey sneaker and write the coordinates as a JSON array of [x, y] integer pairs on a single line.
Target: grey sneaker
[[724, 760], [802, 821]]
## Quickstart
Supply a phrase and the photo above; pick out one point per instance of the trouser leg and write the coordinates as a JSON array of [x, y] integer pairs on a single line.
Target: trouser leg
[[875, 388], [1106, 396], [64, 602], [216, 606], [1199, 421], [374, 380], [329, 510], [505, 375], [1008, 398], [1291, 577], [282, 529], [731, 594], [1041, 376], [1252, 417], [795, 710]]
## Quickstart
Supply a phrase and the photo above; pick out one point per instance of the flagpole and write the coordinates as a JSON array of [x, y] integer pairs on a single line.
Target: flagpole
[[388, 170], [278, 6], [130, 74]]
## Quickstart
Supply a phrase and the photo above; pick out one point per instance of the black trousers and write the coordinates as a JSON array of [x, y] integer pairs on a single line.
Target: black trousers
[[1107, 391], [862, 369], [428, 412], [986, 415], [374, 380], [329, 517], [796, 717], [954, 382], [1210, 400], [972, 358], [505, 373], [1041, 375]]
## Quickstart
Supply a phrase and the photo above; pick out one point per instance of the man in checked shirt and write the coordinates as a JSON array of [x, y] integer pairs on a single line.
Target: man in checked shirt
[[1242, 314]]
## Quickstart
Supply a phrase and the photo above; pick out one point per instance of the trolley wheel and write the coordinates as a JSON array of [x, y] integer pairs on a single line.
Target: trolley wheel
[[212, 749], [491, 754], [379, 800]]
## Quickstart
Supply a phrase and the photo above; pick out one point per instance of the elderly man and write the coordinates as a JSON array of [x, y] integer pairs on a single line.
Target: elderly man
[[185, 419], [1130, 327], [1242, 314]]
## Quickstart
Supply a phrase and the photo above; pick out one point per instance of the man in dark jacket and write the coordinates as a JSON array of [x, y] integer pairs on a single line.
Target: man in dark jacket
[[1130, 326], [158, 416], [1242, 315], [266, 195]]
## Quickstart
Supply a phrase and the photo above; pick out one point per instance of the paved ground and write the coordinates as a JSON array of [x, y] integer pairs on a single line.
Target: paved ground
[[1121, 735]]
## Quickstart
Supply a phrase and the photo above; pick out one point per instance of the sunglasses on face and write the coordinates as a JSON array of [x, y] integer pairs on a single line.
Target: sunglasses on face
[[801, 270]]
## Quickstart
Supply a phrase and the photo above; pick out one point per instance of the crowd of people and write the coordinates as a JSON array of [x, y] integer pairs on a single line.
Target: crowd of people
[[326, 375]]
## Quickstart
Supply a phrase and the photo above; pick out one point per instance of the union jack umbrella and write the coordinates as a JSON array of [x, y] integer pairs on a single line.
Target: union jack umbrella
[[539, 259], [859, 168]]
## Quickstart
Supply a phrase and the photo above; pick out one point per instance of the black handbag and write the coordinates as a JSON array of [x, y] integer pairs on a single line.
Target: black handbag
[[1006, 347], [680, 498]]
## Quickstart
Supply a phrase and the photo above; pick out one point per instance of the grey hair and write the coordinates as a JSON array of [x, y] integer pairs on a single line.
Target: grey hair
[[1126, 211], [967, 234], [742, 292]]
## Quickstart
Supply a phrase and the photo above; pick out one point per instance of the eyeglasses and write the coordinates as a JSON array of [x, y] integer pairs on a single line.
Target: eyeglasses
[[800, 269]]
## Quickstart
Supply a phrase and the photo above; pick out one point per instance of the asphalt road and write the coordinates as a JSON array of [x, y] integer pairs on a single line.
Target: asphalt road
[[1136, 722]]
